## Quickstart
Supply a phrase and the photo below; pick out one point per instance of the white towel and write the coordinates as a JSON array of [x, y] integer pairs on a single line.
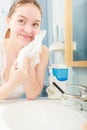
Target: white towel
[[32, 50]]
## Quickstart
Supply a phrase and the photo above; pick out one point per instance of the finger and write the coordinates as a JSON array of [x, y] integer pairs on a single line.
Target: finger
[[14, 66], [25, 64]]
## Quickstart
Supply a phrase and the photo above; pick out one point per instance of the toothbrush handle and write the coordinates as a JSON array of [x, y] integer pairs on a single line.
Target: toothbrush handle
[[58, 88]]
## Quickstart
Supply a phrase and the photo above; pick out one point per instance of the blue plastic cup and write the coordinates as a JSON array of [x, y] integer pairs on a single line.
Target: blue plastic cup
[[60, 71]]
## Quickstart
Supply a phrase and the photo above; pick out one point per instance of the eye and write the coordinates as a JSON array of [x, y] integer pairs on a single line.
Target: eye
[[36, 25], [21, 21]]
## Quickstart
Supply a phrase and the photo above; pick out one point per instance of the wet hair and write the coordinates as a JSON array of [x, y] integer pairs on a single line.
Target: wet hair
[[18, 3]]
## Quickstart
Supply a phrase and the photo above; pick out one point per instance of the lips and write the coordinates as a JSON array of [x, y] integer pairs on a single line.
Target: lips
[[26, 37]]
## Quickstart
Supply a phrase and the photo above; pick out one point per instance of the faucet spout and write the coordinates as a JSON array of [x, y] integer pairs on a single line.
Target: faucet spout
[[83, 92]]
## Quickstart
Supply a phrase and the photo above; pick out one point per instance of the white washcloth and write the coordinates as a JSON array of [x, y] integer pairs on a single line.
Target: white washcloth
[[32, 50]]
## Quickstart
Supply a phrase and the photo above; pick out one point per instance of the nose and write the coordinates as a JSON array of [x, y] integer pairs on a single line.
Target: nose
[[28, 29]]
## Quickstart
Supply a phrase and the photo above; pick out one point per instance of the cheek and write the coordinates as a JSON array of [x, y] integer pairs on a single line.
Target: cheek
[[16, 30], [36, 32]]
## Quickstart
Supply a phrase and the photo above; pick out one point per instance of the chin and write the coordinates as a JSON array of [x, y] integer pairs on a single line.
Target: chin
[[23, 44]]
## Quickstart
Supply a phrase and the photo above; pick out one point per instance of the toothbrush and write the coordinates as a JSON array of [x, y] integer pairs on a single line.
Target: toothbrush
[[58, 88]]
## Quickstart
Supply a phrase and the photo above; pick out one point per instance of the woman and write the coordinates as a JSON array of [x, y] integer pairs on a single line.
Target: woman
[[23, 23]]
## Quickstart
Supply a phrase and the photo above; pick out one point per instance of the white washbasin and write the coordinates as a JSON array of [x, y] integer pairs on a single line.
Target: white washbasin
[[40, 115]]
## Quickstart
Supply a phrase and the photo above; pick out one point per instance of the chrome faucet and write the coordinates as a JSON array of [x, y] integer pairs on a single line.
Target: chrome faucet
[[83, 92], [81, 98]]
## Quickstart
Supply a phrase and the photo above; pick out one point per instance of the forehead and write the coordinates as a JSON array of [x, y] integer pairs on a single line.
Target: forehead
[[28, 10]]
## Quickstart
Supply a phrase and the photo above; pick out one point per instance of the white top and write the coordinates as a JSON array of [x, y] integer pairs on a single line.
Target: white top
[[18, 91]]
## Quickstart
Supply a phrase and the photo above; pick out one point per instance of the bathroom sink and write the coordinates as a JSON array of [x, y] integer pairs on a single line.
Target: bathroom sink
[[40, 115]]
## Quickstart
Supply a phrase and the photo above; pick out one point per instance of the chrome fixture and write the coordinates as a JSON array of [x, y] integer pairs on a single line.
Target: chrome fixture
[[83, 92], [80, 99]]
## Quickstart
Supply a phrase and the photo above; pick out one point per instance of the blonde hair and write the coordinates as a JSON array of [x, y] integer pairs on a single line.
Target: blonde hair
[[17, 4]]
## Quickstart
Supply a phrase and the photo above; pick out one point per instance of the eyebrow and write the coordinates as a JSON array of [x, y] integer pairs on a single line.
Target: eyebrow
[[26, 18]]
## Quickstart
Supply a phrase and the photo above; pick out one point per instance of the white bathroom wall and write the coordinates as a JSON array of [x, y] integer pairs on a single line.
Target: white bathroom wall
[[58, 28], [58, 17]]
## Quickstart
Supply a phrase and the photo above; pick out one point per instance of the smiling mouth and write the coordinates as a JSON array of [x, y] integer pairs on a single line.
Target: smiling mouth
[[26, 37]]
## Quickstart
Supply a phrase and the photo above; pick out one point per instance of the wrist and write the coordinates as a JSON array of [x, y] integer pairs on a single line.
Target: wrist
[[11, 84]]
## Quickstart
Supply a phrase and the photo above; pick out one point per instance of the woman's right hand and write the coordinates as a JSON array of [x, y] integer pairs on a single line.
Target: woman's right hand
[[18, 75]]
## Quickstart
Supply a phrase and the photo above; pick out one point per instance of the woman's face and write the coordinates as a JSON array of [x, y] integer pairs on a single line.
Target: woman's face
[[24, 24]]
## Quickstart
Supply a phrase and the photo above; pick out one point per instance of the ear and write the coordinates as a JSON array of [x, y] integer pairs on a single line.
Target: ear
[[7, 33]]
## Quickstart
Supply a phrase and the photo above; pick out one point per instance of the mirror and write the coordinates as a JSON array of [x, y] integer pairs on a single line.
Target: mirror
[[75, 30], [79, 28]]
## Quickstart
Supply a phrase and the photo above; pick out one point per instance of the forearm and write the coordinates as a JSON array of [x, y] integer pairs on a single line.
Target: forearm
[[6, 89], [10, 85], [34, 83], [16, 77], [32, 86]]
